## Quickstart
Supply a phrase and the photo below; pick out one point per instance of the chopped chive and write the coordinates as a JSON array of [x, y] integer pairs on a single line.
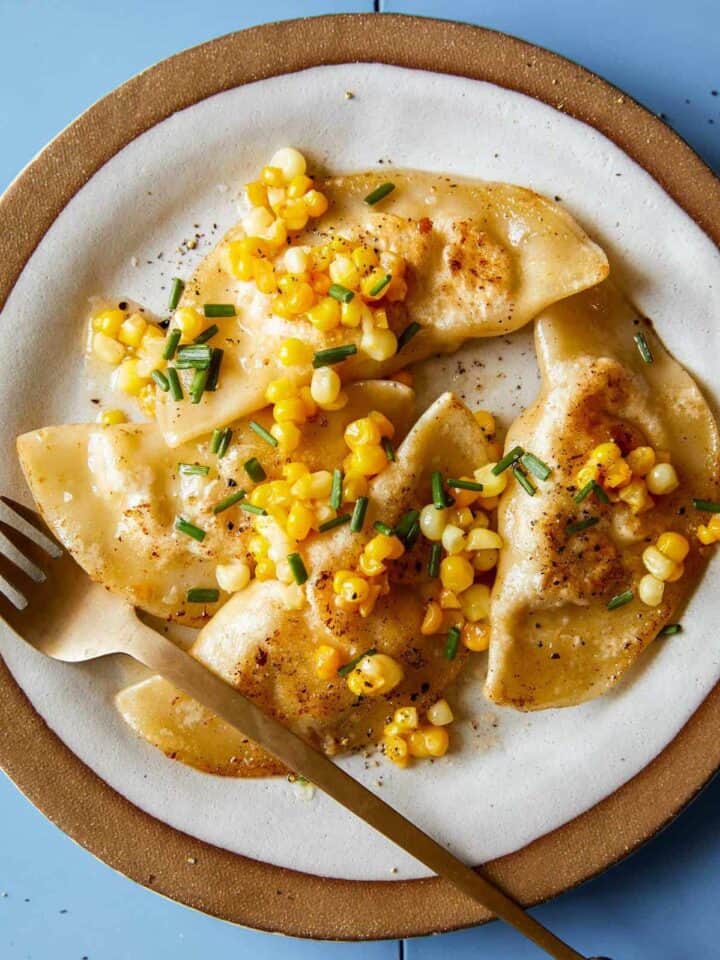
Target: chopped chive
[[184, 526], [229, 501], [349, 667], [171, 344], [338, 292], [384, 528], [216, 358], [224, 442], [389, 449], [217, 436], [412, 535], [708, 506], [333, 355], [535, 465], [194, 469], [581, 525], [193, 357], [452, 643], [197, 386], [203, 595], [643, 347], [584, 492], [336, 490], [161, 380], [525, 482], [358, 515], [254, 469], [508, 460], [176, 390], [439, 496], [262, 433], [620, 599], [218, 310], [600, 493], [379, 193], [380, 285], [434, 561], [176, 291], [207, 334], [297, 568], [252, 508], [335, 522], [670, 630], [407, 334], [406, 523], [464, 485]]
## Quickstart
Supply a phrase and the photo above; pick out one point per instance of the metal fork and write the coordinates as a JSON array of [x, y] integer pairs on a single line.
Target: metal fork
[[64, 607]]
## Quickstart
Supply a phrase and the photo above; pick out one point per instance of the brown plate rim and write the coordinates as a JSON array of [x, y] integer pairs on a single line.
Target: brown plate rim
[[154, 854]]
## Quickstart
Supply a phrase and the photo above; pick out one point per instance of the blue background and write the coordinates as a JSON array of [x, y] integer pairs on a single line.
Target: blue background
[[56, 901]]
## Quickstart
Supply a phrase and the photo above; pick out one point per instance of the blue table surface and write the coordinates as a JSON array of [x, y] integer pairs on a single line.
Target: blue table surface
[[56, 900]]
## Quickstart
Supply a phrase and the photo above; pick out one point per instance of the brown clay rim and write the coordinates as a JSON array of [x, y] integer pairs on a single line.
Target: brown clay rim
[[69, 793]]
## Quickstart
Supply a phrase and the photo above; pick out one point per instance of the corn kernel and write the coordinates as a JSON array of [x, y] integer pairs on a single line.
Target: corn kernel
[[456, 573], [108, 322], [662, 479], [379, 345], [396, 750], [449, 600], [484, 560], [288, 436], [375, 675], [617, 474], [362, 432], [406, 718], [429, 742], [342, 270], [461, 516], [127, 379], [325, 315], [483, 539], [107, 349], [677, 574], [486, 421], [433, 521], [311, 408], [281, 389], [264, 276], [354, 486], [313, 486], [300, 521], [493, 485], [710, 533], [351, 313], [658, 564], [295, 353], [453, 539], [606, 453], [354, 591], [265, 569], [188, 322], [475, 602], [650, 590], [147, 399], [416, 745], [382, 423], [673, 545], [476, 636], [292, 409], [295, 215], [257, 221], [237, 261], [109, 418], [364, 258], [374, 279], [586, 474], [384, 547], [297, 260], [635, 495], [432, 621], [325, 386], [232, 577], [299, 186], [300, 299], [440, 714], [290, 162], [327, 661], [641, 460], [256, 193], [367, 460], [131, 330], [272, 176], [463, 498]]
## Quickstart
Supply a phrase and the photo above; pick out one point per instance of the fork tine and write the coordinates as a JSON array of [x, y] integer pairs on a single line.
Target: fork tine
[[33, 551], [10, 614], [31, 517], [16, 577]]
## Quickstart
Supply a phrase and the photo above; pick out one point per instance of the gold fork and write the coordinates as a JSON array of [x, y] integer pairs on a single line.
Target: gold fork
[[64, 607]]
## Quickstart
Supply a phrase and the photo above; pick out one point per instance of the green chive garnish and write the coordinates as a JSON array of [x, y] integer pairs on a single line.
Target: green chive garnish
[[349, 667], [389, 449], [434, 561], [581, 525], [412, 535], [708, 506], [224, 442], [600, 493], [585, 492], [252, 508], [297, 568], [254, 469], [197, 386], [620, 599], [383, 528], [193, 357], [670, 630], [464, 484], [217, 436], [184, 526], [525, 482], [203, 595], [176, 291], [379, 193], [229, 501], [333, 355], [161, 380], [338, 292], [216, 358], [407, 334], [171, 344], [643, 347], [358, 515], [337, 489], [194, 469], [176, 390], [380, 285], [452, 643], [207, 334], [218, 310], [439, 496], [508, 460], [335, 522], [535, 465], [262, 433], [406, 523]]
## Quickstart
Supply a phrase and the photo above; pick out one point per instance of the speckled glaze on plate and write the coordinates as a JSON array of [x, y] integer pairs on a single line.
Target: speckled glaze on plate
[[239, 888]]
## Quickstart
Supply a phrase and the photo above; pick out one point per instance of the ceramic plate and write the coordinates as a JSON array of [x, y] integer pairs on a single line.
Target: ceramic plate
[[552, 796]]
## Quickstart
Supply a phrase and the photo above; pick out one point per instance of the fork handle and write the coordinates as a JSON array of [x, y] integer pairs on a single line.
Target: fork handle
[[162, 656]]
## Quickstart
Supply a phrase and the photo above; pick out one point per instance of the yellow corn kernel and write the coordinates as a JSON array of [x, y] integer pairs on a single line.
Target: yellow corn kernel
[[256, 193], [288, 436], [257, 222], [432, 621], [280, 307], [325, 315], [367, 460], [300, 521], [132, 329], [673, 545], [108, 322], [370, 567], [429, 742], [585, 474], [475, 602], [433, 521], [416, 745], [107, 349], [341, 401], [362, 432], [662, 479], [658, 564], [453, 539], [486, 421], [440, 714], [606, 453], [405, 377], [380, 318], [189, 322], [641, 460], [370, 282], [262, 495], [297, 262], [236, 260], [277, 198], [461, 516], [147, 398], [677, 574], [384, 547], [127, 378], [327, 661], [493, 485], [617, 474], [232, 577], [396, 750], [463, 498], [342, 270], [351, 313], [295, 215], [276, 236], [281, 389], [300, 299], [456, 573], [354, 591], [109, 418], [354, 486], [292, 409], [374, 675], [339, 579], [272, 176], [295, 353], [706, 535], [651, 590], [379, 345], [265, 569], [635, 495], [484, 560], [290, 162], [449, 600], [293, 470], [483, 539], [299, 186], [476, 636], [364, 258], [258, 545], [264, 276], [311, 408], [325, 386], [316, 203], [406, 719], [382, 423]]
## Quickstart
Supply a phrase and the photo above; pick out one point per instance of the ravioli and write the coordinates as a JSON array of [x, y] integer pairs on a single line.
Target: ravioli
[[483, 259], [263, 644], [554, 641], [111, 495]]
